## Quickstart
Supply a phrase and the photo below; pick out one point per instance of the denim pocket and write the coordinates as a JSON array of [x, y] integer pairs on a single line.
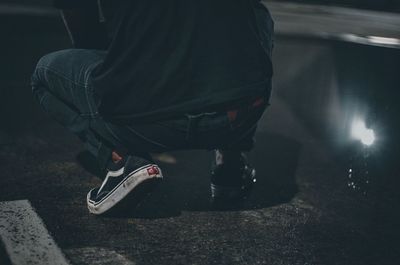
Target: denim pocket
[[212, 121]]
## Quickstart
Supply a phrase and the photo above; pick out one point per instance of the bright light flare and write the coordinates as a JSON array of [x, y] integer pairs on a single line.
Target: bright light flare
[[360, 132]]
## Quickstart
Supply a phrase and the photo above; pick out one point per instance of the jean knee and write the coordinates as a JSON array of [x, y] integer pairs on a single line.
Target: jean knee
[[48, 61], [55, 58], [38, 74]]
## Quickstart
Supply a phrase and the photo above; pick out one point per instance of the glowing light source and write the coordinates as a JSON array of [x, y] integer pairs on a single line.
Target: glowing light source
[[360, 132]]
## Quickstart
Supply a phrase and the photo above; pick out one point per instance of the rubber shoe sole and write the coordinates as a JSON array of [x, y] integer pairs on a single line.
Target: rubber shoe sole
[[128, 194]]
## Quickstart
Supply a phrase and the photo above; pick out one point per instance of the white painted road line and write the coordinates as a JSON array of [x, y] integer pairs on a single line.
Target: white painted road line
[[25, 237], [96, 256]]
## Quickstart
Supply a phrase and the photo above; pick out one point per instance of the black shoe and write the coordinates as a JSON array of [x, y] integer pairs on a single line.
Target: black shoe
[[126, 184], [231, 185]]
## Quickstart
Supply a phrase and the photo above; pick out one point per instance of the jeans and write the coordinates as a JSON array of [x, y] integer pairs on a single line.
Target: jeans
[[63, 87]]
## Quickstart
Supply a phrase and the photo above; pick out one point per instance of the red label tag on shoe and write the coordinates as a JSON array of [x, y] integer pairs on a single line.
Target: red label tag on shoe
[[153, 170]]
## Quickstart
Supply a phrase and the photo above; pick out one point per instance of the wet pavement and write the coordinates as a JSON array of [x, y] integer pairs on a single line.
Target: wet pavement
[[305, 209]]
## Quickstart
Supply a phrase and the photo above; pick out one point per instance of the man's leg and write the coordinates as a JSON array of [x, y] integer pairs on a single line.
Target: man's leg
[[232, 177], [62, 85]]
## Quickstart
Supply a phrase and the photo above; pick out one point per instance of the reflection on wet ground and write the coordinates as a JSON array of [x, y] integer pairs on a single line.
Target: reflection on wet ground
[[359, 173]]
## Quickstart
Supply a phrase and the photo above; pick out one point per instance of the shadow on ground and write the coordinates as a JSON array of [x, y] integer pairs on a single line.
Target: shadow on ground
[[187, 189]]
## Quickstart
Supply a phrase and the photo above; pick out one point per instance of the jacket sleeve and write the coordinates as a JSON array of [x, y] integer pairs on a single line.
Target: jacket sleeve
[[73, 4]]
